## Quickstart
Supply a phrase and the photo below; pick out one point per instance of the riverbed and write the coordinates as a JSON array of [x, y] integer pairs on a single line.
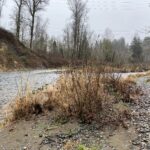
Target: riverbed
[[13, 84], [17, 83]]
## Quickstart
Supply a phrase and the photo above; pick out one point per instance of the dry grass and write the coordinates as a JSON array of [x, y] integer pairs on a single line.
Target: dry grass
[[25, 108], [80, 94], [31, 104], [126, 68], [89, 95], [138, 75], [123, 89]]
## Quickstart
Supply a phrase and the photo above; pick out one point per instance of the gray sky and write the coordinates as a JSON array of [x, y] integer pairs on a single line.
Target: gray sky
[[124, 17]]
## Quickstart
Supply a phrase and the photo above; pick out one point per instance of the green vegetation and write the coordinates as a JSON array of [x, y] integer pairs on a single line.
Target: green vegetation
[[137, 50]]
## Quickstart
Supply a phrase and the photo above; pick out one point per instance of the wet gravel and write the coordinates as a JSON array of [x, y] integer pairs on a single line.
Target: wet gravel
[[141, 118], [89, 134], [16, 83]]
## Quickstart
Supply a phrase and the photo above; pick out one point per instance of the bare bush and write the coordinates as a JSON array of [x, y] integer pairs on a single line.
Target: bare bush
[[122, 89], [89, 94], [86, 95]]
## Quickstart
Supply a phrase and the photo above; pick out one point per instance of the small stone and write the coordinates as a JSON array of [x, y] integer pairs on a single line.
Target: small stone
[[12, 129], [40, 135], [87, 136], [143, 145], [145, 140], [135, 142], [24, 148], [148, 146], [111, 134]]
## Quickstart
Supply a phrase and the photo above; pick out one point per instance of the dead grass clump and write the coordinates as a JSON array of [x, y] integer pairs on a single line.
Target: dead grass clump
[[87, 94], [91, 95], [32, 104], [122, 89], [78, 96], [25, 108]]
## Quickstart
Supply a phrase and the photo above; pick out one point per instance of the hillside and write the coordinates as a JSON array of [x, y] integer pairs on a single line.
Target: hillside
[[14, 55]]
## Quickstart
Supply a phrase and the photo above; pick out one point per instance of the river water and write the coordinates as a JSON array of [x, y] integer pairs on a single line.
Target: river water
[[14, 83]]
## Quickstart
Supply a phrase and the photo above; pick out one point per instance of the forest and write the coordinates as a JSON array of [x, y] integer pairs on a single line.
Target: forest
[[79, 44]]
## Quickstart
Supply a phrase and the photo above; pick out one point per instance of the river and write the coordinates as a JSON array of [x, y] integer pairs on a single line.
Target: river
[[14, 83]]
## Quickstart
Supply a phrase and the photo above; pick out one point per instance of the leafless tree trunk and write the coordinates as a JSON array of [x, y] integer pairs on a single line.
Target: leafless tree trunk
[[34, 6], [18, 16], [41, 37], [24, 32], [79, 12], [67, 41]]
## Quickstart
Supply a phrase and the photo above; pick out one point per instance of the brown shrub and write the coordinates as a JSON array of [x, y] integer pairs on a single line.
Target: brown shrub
[[90, 94], [25, 108], [123, 89], [33, 103]]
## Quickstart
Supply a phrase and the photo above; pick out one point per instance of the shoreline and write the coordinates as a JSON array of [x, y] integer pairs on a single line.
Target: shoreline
[[45, 131], [48, 87]]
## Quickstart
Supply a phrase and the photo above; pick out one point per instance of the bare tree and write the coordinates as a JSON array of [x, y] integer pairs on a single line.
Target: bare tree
[[41, 37], [2, 2], [108, 34], [79, 12], [34, 6], [18, 16], [68, 43]]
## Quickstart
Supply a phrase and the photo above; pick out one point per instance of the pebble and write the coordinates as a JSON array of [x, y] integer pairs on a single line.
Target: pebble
[[40, 135], [142, 121]]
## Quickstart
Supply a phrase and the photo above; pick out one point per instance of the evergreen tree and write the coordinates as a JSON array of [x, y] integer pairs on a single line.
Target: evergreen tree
[[137, 50]]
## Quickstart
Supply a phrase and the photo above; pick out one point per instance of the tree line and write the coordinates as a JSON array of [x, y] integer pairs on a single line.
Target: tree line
[[78, 42]]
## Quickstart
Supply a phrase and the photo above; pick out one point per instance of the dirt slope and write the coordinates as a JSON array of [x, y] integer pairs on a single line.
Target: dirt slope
[[14, 55]]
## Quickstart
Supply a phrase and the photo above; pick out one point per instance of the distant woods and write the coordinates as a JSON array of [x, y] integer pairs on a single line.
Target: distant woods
[[78, 44]]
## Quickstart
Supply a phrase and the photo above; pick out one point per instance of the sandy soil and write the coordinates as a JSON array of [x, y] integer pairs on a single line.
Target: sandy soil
[[44, 133]]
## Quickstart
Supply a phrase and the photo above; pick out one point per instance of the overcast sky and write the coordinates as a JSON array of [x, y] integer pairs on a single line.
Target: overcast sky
[[124, 17]]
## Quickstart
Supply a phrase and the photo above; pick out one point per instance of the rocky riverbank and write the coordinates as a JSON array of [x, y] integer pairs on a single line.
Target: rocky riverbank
[[141, 119], [50, 132], [45, 133]]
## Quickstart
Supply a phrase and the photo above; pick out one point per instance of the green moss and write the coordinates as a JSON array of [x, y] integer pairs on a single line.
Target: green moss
[[82, 147]]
